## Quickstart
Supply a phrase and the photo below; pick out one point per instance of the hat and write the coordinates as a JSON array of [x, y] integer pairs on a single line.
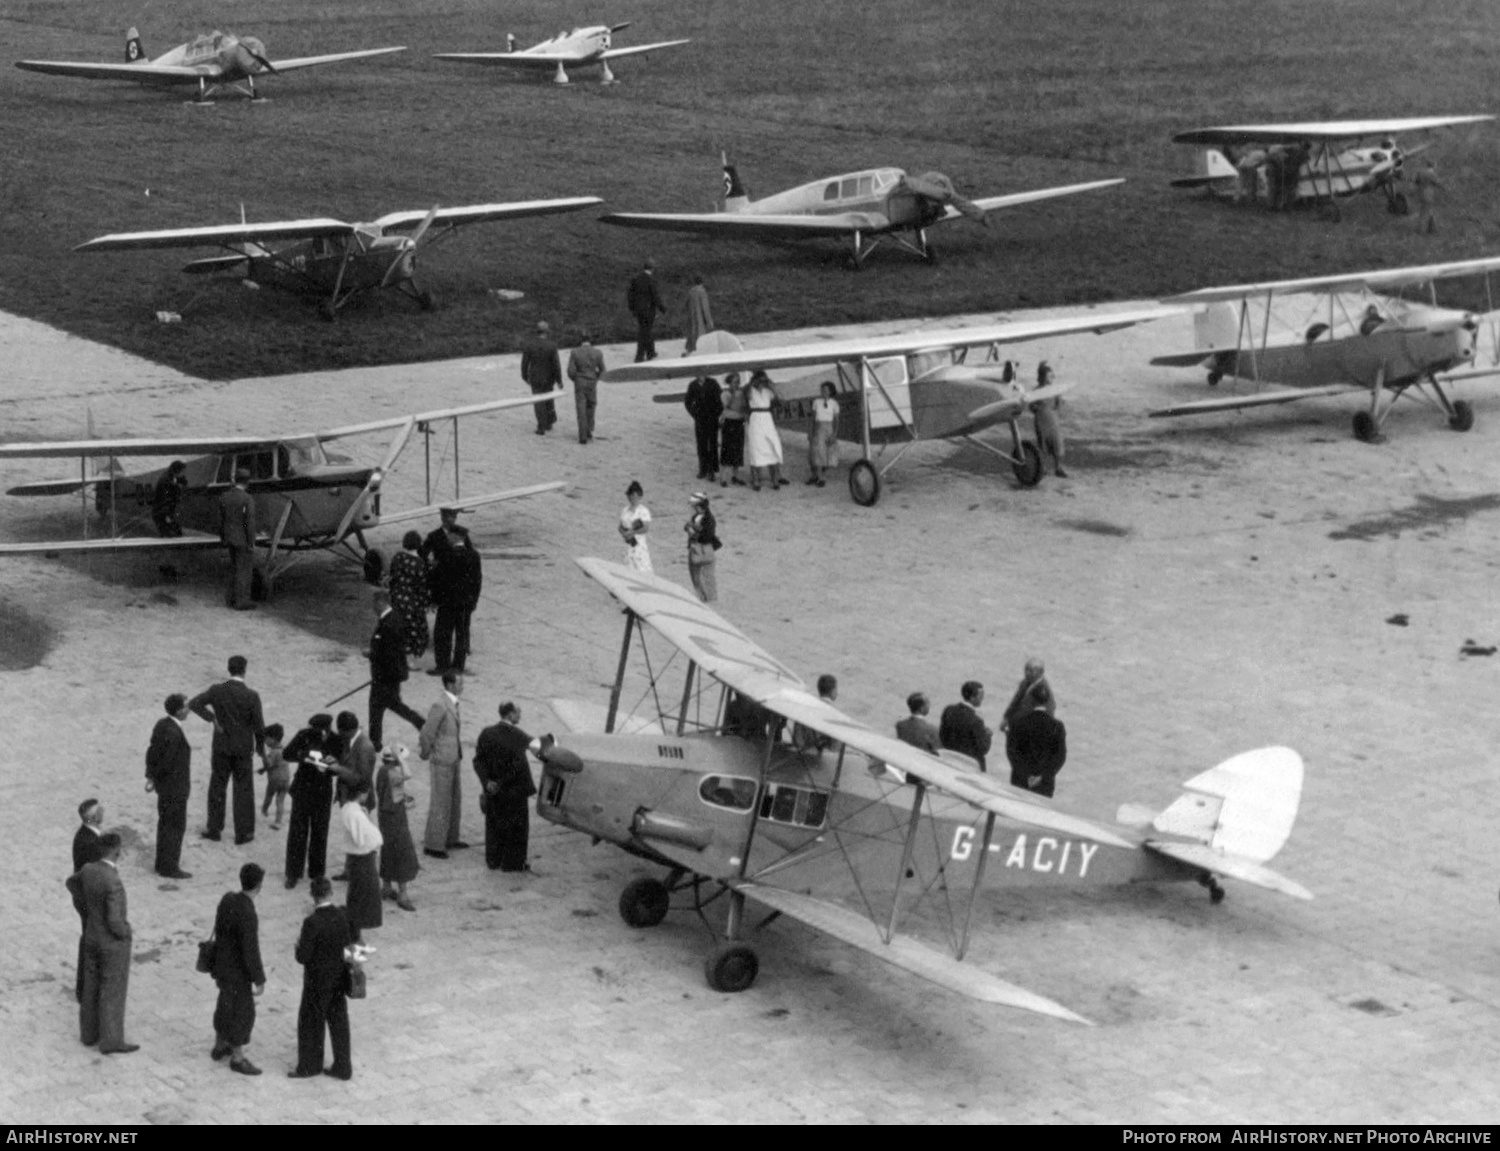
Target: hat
[[322, 721], [698, 498], [541, 326], [449, 511]]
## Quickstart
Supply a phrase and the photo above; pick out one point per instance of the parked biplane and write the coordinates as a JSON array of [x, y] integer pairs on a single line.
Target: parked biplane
[[1333, 335], [1280, 165], [900, 389], [215, 62], [332, 259], [580, 48], [306, 497], [866, 835], [865, 208]]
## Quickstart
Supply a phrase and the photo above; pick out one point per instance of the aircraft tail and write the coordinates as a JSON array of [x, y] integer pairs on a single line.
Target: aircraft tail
[[1213, 166], [736, 199], [1216, 328], [135, 52]]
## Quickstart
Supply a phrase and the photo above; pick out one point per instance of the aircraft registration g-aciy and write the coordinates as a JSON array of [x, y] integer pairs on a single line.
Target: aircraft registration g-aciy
[[215, 62], [901, 389], [331, 258], [580, 48], [864, 208], [848, 831], [1333, 335], [306, 497], [1280, 165]]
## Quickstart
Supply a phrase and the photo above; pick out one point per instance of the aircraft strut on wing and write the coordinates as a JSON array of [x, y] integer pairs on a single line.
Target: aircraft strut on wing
[[215, 62], [853, 833], [580, 48], [864, 208]]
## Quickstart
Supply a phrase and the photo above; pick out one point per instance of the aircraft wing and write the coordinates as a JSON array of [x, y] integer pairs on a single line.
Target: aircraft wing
[[222, 234], [206, 445], [116, 544], [1015, 198], [1380, 279], [1256, 400], [619, 53], [523, 60], [477, 213], [468, 503], [875, 347], [903, 951], [751, 225], [313, 61], [1327, 131], [142, 73], [440, 414]]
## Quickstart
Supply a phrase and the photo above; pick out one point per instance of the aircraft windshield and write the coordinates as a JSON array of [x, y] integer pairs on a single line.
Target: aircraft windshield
[[298, 457], [727, 791]]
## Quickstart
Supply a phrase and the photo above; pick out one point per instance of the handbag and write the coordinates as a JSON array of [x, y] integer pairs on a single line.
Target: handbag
[[700, 553], [354, 980], [207, 952]]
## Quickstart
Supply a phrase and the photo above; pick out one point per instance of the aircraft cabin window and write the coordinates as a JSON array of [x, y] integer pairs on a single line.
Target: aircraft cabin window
[[849, 188], [727, 791], [261, 465], [866, 184], [832, 191], [798, 806], [225, 474]]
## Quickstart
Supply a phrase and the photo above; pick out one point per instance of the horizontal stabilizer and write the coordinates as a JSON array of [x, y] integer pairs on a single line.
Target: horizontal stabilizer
[[1260, 792], [1231, 866], [1180, 359], [54, 487]]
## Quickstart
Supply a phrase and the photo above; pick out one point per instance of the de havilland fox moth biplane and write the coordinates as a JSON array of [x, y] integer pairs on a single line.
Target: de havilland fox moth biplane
[[331, 258], [306, 497], [215, 62], [580, 48], [900, 389], [849, 831], [865, 208], [1280, 165], [1334, 335]]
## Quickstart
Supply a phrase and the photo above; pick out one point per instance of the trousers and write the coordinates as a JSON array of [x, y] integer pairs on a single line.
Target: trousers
[[171, 824], [444, 808], [106, 978], [386, 697], [307, 838], [227, 767], [323, 1007], [450, 639]]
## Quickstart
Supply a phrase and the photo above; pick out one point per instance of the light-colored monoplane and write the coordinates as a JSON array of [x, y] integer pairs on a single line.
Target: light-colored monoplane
[[580, 48]]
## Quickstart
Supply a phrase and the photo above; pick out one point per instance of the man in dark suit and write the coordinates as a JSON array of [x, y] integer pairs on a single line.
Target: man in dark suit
[[541, 368], [168, 773], [320, 950], [644, 302], [505, 779], [106, 951], [312, 793], [456, 579], [961, 728], [86, 850], [237, 970], [356, 764], [237, 529], [239, 735], [705, 405], [388, 669], [1037, 745], [915, 729]]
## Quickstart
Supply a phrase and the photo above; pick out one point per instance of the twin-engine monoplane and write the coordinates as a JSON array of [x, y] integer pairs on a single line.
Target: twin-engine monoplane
[[865, 209], [580, 48], [868, 839], [1337, 335], [901, 389], [332, 259], [215, 62]]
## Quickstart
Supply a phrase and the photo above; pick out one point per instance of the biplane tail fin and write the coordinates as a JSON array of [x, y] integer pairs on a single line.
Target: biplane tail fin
[[1217, 328], [1213, 166], [135, 51]]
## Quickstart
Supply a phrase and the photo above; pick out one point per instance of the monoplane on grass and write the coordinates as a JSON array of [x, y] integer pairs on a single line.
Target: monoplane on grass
[[215, 62], [865, 208], [306, 498], [580, 48], [332, 259], [846, 830], [1281, 165], [1332, 335], [901, 389]]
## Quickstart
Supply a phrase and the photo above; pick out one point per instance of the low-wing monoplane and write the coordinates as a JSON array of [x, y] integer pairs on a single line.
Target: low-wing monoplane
[[580, 48], [846, 830], [1280, 165], [330, 258], [215, 62], [1333, 335], [306, 497], [901, 389], [864, 208]]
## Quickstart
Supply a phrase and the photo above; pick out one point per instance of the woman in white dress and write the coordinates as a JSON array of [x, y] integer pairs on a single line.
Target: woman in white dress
[[762, 440], [822, 443], [635, 522]]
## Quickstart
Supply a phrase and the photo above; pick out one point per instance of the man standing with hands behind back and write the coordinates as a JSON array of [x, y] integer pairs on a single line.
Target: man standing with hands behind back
[[585, 366], [106, 949], [169, 773], [440, 745], [237, 529], [320, 950], [541, 368], [644, 302], [86, 850], [239, 734], [505, 774]]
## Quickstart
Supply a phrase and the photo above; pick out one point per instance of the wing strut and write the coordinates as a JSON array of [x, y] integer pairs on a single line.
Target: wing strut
[[912, 824], [687, 697], [984, 858], [619, 684]]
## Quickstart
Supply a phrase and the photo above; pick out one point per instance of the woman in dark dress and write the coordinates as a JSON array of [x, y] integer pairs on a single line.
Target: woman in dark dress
[[237, 970], [732, 431], [398, 855], [407, 582], [362, 844]]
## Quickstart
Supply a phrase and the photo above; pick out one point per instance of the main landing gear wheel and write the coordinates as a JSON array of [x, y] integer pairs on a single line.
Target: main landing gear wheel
[[644, 903], [1365, 430], [1029, 469], [1215, 891], [732, 967], [1463, 416], [864, 483], [1214, 378], [1398, 205], [374, 565]]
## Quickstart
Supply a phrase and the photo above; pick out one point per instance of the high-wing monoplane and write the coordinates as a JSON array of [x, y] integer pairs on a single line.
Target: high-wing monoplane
[[864, 208], [901, 389], [854, 833], [215, 62], [1280, 165], [306, 497], [580, 48], [331, 258], [1333, 335]]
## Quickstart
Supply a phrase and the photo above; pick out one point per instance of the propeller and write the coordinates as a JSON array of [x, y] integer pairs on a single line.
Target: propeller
[[937, 187], [256, 50], [409, 249], [613, 28], [372, 485]]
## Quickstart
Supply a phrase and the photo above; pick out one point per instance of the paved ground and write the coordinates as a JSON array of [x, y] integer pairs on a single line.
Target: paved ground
[[1196, 590]]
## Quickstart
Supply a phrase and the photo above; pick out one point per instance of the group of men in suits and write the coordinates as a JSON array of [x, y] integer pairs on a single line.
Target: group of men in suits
[[1035, 740]]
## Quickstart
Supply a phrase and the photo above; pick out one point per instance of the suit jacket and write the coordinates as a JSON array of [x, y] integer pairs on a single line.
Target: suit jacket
[[919, 733], [500, 758], [541, 366], [963, 730], [703, 401], [169, 759], [237, 940], [105, 921], [642, 298], [310, 784], [320, 947], [86, 847], [388, 649], [439, 737], [456, 574], [357, 763], [1037, 744], [237, 518], [234, 710], [585, 365]]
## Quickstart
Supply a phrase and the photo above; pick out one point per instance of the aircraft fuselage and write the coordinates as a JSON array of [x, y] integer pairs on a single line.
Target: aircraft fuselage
[[874, 192]]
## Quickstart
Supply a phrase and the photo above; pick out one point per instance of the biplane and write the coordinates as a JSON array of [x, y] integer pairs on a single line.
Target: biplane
[[580, 48], [901, 389], [307, 498], [868, 839], [215, 62], [1338, 335], [332, 259], [1281, 165], [864, 208]]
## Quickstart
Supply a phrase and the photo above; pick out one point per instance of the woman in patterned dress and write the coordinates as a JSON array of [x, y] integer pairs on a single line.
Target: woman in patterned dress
[[407, 582], [635, 522]]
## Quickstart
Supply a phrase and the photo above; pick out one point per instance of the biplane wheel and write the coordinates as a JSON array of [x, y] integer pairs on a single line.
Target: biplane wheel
[[1365, 430], [864, 484], [1399, 205], [1214, 377], [427, 300], [1029, 470], [374, 565], [645, 902], [1463, 416], [732, 967]]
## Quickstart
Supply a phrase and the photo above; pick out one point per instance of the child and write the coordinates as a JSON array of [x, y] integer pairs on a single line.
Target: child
[[278, 774]]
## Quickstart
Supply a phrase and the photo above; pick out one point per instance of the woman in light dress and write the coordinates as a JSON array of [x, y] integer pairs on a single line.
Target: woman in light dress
[[822, 443], [762, 440], [635, 522]]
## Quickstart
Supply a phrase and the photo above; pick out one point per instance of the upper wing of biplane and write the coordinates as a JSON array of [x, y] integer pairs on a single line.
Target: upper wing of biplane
[[1329, 131], [141, 72], [313, 61], [199, 445], [1378, 280], [477, 213]]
